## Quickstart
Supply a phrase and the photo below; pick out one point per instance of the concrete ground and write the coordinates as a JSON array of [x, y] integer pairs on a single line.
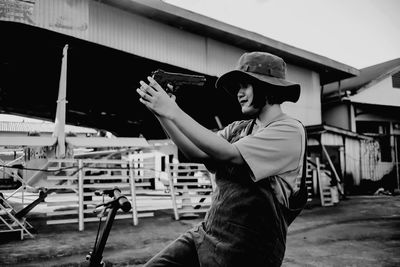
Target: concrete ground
[[359, 231]]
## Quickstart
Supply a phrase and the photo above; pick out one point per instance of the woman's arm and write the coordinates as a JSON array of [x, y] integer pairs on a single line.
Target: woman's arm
[[191, 151], [158, 101]]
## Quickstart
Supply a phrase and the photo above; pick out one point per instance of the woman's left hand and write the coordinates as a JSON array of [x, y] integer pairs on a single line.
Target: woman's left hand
[[154, 97]]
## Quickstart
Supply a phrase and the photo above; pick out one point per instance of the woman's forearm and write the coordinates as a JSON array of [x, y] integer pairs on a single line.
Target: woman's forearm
[[190, 150], [213, 145]]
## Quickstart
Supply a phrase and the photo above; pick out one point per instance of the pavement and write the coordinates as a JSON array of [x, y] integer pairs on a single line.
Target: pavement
[[358, 231]]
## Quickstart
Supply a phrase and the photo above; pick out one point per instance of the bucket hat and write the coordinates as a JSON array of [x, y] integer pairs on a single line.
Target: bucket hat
[[264, 67]]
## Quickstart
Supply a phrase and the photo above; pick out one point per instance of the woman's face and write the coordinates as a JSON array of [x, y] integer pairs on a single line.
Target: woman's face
[[245, 97]]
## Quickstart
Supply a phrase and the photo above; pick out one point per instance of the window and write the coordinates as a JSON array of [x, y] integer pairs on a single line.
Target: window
[[396, 80]]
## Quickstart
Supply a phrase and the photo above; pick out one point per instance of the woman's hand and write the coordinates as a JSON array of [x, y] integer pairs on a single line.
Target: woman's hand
[[154, 97]]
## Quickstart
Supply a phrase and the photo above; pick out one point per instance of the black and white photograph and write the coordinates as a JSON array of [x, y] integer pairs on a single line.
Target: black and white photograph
[[200, 133]]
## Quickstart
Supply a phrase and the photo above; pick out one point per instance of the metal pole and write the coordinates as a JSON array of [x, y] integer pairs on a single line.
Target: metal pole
[[80, 196], [133, 192], [171, 175], [23, 197], [396, 161]]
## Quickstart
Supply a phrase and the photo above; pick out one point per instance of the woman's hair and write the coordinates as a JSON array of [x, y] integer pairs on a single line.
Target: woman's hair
[[265, 92]]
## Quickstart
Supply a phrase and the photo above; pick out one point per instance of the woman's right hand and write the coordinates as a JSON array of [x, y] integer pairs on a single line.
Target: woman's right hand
[[154, 97]]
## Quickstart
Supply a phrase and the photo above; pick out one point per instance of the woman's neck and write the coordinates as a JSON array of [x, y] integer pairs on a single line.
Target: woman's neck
[[268, 113]]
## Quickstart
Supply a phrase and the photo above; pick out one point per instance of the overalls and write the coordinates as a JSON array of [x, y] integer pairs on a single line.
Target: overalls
[[245, 226]]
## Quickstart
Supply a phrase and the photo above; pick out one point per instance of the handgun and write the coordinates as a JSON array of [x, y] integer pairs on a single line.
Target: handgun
[[176, 80]]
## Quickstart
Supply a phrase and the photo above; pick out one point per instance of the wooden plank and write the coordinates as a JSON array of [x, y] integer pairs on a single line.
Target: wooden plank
[[186, 184], [11, 230], [142, 184], [145, 214], [117, 217], [333, 169], [190, 179], [196, 190], [62, 212], [106, 161], [61, 194], [54, 160], [64, 169], [203, 205], [107, 185], [105, 168], [62, 187], [95, 203], [183, 164], [193, 203], [193, 197], [185, 170], [173, 197], [61, 221], [133, 196], [62, 203], [106, 177], [58, 178], [188, 210]]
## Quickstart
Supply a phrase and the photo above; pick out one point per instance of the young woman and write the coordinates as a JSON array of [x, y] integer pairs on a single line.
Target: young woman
[[257, 163]]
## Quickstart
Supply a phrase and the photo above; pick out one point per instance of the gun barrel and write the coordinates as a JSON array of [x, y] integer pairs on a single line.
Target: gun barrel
[[163, 78]]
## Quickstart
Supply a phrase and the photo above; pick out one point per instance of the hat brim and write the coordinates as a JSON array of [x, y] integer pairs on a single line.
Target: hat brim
[[290, 92]]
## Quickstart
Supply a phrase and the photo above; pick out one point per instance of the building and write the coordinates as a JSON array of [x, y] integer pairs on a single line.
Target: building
[[369, 104], [355, 157], [114, 44]]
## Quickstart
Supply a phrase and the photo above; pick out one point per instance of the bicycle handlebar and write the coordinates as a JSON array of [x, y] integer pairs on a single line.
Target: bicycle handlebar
[[115, 193], [123, 202]]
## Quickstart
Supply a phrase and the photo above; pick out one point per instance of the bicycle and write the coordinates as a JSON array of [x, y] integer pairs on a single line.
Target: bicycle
[[95, 257]]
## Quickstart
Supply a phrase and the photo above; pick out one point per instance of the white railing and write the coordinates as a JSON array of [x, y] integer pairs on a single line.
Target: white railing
[[78, 203]]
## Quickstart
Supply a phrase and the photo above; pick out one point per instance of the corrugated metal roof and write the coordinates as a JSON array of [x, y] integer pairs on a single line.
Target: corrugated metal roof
[[40, 127], [367, 75], [329, 70]]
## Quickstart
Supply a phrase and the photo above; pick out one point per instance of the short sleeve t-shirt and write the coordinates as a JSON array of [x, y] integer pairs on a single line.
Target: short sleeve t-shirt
[[274, 150]]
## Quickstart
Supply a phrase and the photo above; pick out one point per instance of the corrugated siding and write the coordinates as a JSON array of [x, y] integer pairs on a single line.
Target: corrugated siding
[[362, 160], [308, 107], [352, 157], [331, 139], [147, 38], [116, 28], [221, 57], [371, 169], [69, 17]]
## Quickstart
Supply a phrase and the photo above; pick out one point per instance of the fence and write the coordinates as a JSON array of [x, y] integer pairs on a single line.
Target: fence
[[77, 204], [191, 186], [75, 182]]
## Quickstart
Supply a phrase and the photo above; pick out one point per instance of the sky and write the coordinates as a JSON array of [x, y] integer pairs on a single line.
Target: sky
[[359, 33]]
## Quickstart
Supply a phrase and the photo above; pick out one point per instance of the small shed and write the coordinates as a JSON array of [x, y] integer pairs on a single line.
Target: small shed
[[354, 156]]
